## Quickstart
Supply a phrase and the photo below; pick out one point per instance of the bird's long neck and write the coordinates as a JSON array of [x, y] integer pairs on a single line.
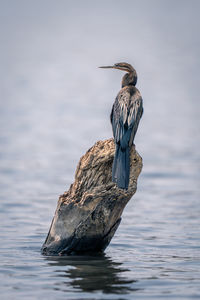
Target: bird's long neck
[[129, 79]]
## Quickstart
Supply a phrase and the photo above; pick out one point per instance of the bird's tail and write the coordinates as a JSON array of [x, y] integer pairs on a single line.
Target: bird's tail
[[121, 167]]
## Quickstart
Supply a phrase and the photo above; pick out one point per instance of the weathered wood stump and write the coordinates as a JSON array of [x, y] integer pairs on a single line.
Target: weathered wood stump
[[89, 213]]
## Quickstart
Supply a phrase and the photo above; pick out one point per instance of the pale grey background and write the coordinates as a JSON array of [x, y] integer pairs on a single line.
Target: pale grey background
[[55, 104]]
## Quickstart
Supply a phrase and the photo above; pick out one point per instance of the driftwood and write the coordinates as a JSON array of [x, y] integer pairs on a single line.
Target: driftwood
[[89, 213]]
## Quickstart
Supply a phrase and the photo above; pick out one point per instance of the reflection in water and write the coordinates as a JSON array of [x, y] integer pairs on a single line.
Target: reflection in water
[[92, 273], [50, 85]]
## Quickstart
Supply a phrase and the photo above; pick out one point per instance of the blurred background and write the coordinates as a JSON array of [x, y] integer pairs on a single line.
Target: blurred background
[[55, 104]]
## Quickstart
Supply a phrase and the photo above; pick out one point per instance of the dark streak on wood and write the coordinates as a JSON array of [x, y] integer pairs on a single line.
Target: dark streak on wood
[[89, 213]]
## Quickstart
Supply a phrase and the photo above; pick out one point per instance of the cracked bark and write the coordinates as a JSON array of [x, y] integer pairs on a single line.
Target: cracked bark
[[89, 213]]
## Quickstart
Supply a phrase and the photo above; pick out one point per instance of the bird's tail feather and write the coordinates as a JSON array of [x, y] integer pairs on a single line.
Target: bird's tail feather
[[121, 167]]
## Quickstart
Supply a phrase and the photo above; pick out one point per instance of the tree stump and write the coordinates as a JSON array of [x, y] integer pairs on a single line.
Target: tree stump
[[89, 213]]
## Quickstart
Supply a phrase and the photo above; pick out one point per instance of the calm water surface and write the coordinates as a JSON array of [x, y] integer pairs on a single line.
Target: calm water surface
[[55, 104], [155, 252]]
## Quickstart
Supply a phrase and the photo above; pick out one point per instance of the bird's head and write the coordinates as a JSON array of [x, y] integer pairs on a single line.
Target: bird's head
[[128, 79], [120, 66]]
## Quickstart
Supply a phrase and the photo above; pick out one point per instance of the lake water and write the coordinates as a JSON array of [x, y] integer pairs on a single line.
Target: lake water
[[55, 104]]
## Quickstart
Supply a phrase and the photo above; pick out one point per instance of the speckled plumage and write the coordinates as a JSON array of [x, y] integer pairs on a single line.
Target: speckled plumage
[[126, 113], [125, 116]]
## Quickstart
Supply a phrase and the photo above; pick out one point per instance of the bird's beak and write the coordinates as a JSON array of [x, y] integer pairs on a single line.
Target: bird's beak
[[107, 67]]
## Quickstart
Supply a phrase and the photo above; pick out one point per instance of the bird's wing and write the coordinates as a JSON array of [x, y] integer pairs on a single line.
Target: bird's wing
[[135, 114], [126, 113], [120, 115]]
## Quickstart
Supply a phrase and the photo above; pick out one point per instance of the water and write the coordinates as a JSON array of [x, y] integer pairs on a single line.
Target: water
[[55, 104]]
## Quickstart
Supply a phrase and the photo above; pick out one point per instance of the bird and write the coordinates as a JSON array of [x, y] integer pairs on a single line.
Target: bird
[[125, 116]]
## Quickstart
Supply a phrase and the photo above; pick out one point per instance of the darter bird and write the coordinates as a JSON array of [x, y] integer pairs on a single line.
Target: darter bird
[[125, 116]]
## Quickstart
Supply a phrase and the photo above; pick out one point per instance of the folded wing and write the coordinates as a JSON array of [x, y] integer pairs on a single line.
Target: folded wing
[[125, 116]]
